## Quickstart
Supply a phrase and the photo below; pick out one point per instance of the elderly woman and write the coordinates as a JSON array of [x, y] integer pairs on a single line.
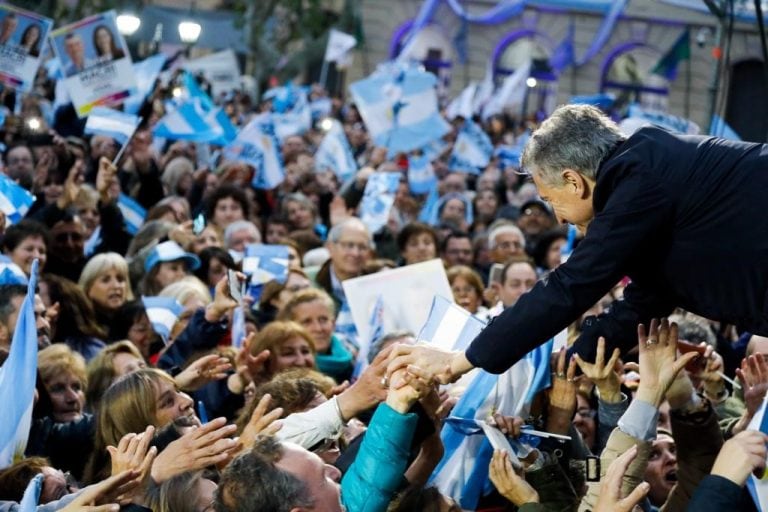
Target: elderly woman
[[177, 176], [467, 288], [289, 345], [106, 283], [302, 213], [315, 311], [64, 377]]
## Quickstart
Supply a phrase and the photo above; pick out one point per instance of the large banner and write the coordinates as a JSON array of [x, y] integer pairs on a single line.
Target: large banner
[[95, 62], [22, 36]]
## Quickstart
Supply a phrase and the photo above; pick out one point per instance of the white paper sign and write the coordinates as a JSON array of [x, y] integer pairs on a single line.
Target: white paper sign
[[22, 39], [95, 62], [220, 69], [406, 293]]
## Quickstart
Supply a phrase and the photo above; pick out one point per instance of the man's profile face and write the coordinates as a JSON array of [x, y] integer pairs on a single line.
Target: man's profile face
[[322, 480], [571, 201], [74, 48]]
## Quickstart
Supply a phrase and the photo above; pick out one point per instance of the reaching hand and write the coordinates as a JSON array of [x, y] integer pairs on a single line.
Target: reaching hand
[[71, 185], [133, 453], [105, 177], [102, 497], [415, 384], [610, 486], [442, 365], [741, 455], [203, 371], [222, 303], [202, 447], [562, 394], [605, 376], [753, 375], [659, 364], [509, 484], [251, 367], [261, 422], [509, 425]]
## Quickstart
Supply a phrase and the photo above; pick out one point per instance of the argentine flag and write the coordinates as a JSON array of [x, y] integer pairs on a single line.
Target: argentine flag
[[378, 198], [17, 380], [15, 200], [258, 146], [295, 121], [163, 312], [463, 104], [334, 153], [133, 213], [112, 123], [264, 263], [510, 94], [190, 121], [146, 73], [421, 174], [462, 473], [399, 107], [472, 151]]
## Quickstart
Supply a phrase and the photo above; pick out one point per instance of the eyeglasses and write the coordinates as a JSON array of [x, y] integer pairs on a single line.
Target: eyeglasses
[[349, 246], [509, 245]]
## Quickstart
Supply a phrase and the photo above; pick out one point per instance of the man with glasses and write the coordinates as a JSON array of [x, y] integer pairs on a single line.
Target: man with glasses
[[535, 218], [505, 240]]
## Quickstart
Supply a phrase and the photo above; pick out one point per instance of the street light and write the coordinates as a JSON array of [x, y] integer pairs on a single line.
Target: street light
[[128, 24], [189, 32]]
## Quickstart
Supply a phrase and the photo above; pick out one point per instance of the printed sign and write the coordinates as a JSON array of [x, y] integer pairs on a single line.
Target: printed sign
[[22, 36]]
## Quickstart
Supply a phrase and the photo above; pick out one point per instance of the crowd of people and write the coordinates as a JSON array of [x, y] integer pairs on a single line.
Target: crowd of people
[[129, 420]]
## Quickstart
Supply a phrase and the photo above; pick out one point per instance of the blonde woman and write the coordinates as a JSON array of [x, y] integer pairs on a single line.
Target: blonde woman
[[106, 283]]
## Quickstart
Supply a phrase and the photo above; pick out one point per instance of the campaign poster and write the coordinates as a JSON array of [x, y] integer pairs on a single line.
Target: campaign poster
[[22, 36], [95, 62]]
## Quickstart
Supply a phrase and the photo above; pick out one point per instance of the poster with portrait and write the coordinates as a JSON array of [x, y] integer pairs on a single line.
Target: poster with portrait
[[22, 36], [95, 62]]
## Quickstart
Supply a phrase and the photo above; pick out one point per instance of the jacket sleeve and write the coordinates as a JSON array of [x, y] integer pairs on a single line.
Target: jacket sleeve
[[114, 237], [636, 213], [698, 441], [714, 494], [375, 476], [199, 335]]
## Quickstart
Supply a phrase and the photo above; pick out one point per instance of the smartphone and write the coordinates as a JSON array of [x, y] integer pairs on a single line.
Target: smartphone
[[198, 225], [494, 275], [697, 364], [236, 288]]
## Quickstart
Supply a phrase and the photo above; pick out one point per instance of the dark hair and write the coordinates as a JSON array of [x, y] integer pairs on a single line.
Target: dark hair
[[14, 479], [76, 316], [113, 49], [208, 254], [454, 233], [253, 482], [124, 318], [416, 498], [17, 233], [414, 229], [514, 260], [223, 192], [35, 49], [7, 293], [545, 241]]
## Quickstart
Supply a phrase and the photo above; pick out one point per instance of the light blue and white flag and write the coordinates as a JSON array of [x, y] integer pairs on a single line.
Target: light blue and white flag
[[507, 156], [264, 263], [320, 108], [219, 119], [339, 46], [31, 496], [673, 123], [195, 92], [189, 121], [335, 153], [163, 312], [283, 97], [295, 121], [472, 150], [484, 91], [435, 149], [421, 174], [11, 273], [112, 123], [758, 487], [378, 198], [376, 332], [17, 380], [238, 327], [463, 471], [399, 108], [15, 200], [258, 146], [146, 73], [463, 104], [511, 93], [429, 211], [133, 213], [719, 128]]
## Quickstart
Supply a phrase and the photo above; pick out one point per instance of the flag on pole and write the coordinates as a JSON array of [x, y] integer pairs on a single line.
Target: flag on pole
[[189, 121], [421, 174], [428, 213], [133, 213], [472, 151], [146, 73], [163, 312], [463, 471], [296, 120], [112, 123], [339, 45], [378, 198], [680, 51], [462, 105], [335, 153], [510, 94], [257, 145], [17, 380], [15, 200], [399, 108]]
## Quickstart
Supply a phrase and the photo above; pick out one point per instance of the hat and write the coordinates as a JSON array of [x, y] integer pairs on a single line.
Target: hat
[[170, 251], [536, 202]]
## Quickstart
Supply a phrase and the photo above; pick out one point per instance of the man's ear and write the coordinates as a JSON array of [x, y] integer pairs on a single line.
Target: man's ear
[[5, 336], [575, 182]]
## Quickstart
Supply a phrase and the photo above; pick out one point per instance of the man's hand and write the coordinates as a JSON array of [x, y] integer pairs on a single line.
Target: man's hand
[[417, 384], [442, 365], [509, 484], [203, 371], [658, 363], [202, 447], [710, 375], [71, 185], [610, 499], [367, 391], [105, 177], [605, 376], [741, 455], [222, 302], [102, 497], [261, 422]]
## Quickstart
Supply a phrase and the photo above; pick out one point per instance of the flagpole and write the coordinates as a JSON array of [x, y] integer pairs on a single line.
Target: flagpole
[[324, 73], [122, 149]]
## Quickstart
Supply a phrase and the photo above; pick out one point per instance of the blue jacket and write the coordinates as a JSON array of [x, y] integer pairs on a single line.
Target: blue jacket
[[684, 217], [373, 479]]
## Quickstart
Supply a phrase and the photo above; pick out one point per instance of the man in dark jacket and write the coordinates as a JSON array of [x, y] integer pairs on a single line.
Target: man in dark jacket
[[682, 216]]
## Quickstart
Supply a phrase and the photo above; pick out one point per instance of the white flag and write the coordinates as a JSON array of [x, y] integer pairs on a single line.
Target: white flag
[[511, 93], [339, 44]]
